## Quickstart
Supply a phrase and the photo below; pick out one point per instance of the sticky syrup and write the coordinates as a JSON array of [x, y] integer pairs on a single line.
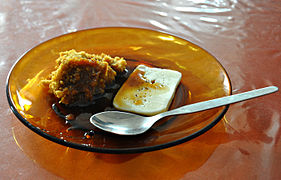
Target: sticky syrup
[[77, 117]]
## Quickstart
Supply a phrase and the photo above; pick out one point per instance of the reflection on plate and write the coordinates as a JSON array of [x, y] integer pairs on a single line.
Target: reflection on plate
[[203, 78]]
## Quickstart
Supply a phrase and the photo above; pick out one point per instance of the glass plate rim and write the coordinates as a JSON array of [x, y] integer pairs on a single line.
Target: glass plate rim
[[113, 150]]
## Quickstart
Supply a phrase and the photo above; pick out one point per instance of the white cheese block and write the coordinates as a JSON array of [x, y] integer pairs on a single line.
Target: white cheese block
[[147, 91]]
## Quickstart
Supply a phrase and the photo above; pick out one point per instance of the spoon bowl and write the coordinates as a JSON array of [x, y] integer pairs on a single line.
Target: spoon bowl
[[124, 123]]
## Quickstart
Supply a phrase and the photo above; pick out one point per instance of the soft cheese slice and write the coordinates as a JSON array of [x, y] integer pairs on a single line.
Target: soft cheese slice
[[147, 91]]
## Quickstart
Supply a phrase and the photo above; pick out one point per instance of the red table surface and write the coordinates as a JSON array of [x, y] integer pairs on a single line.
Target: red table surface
[[245, 36]]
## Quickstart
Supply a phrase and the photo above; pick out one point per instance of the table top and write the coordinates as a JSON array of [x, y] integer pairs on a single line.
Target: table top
[[245, 37]]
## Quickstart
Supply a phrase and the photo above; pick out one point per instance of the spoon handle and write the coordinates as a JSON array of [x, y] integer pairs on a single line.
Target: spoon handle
[[204, 105]]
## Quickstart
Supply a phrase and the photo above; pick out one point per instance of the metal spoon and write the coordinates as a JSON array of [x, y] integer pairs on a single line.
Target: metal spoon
[[124, 123]]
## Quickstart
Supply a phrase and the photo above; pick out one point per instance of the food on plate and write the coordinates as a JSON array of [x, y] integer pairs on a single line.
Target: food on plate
[[82, 79], [79, 76], [147, 91]]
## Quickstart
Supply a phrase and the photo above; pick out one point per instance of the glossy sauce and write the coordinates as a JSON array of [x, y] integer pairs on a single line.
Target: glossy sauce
[[77, 117]]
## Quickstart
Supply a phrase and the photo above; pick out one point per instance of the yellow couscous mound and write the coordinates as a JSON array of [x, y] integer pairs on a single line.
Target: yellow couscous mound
[[80, 76]]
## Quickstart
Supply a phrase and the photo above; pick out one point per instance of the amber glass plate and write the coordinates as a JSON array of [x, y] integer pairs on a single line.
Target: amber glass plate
[[203, 78]]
